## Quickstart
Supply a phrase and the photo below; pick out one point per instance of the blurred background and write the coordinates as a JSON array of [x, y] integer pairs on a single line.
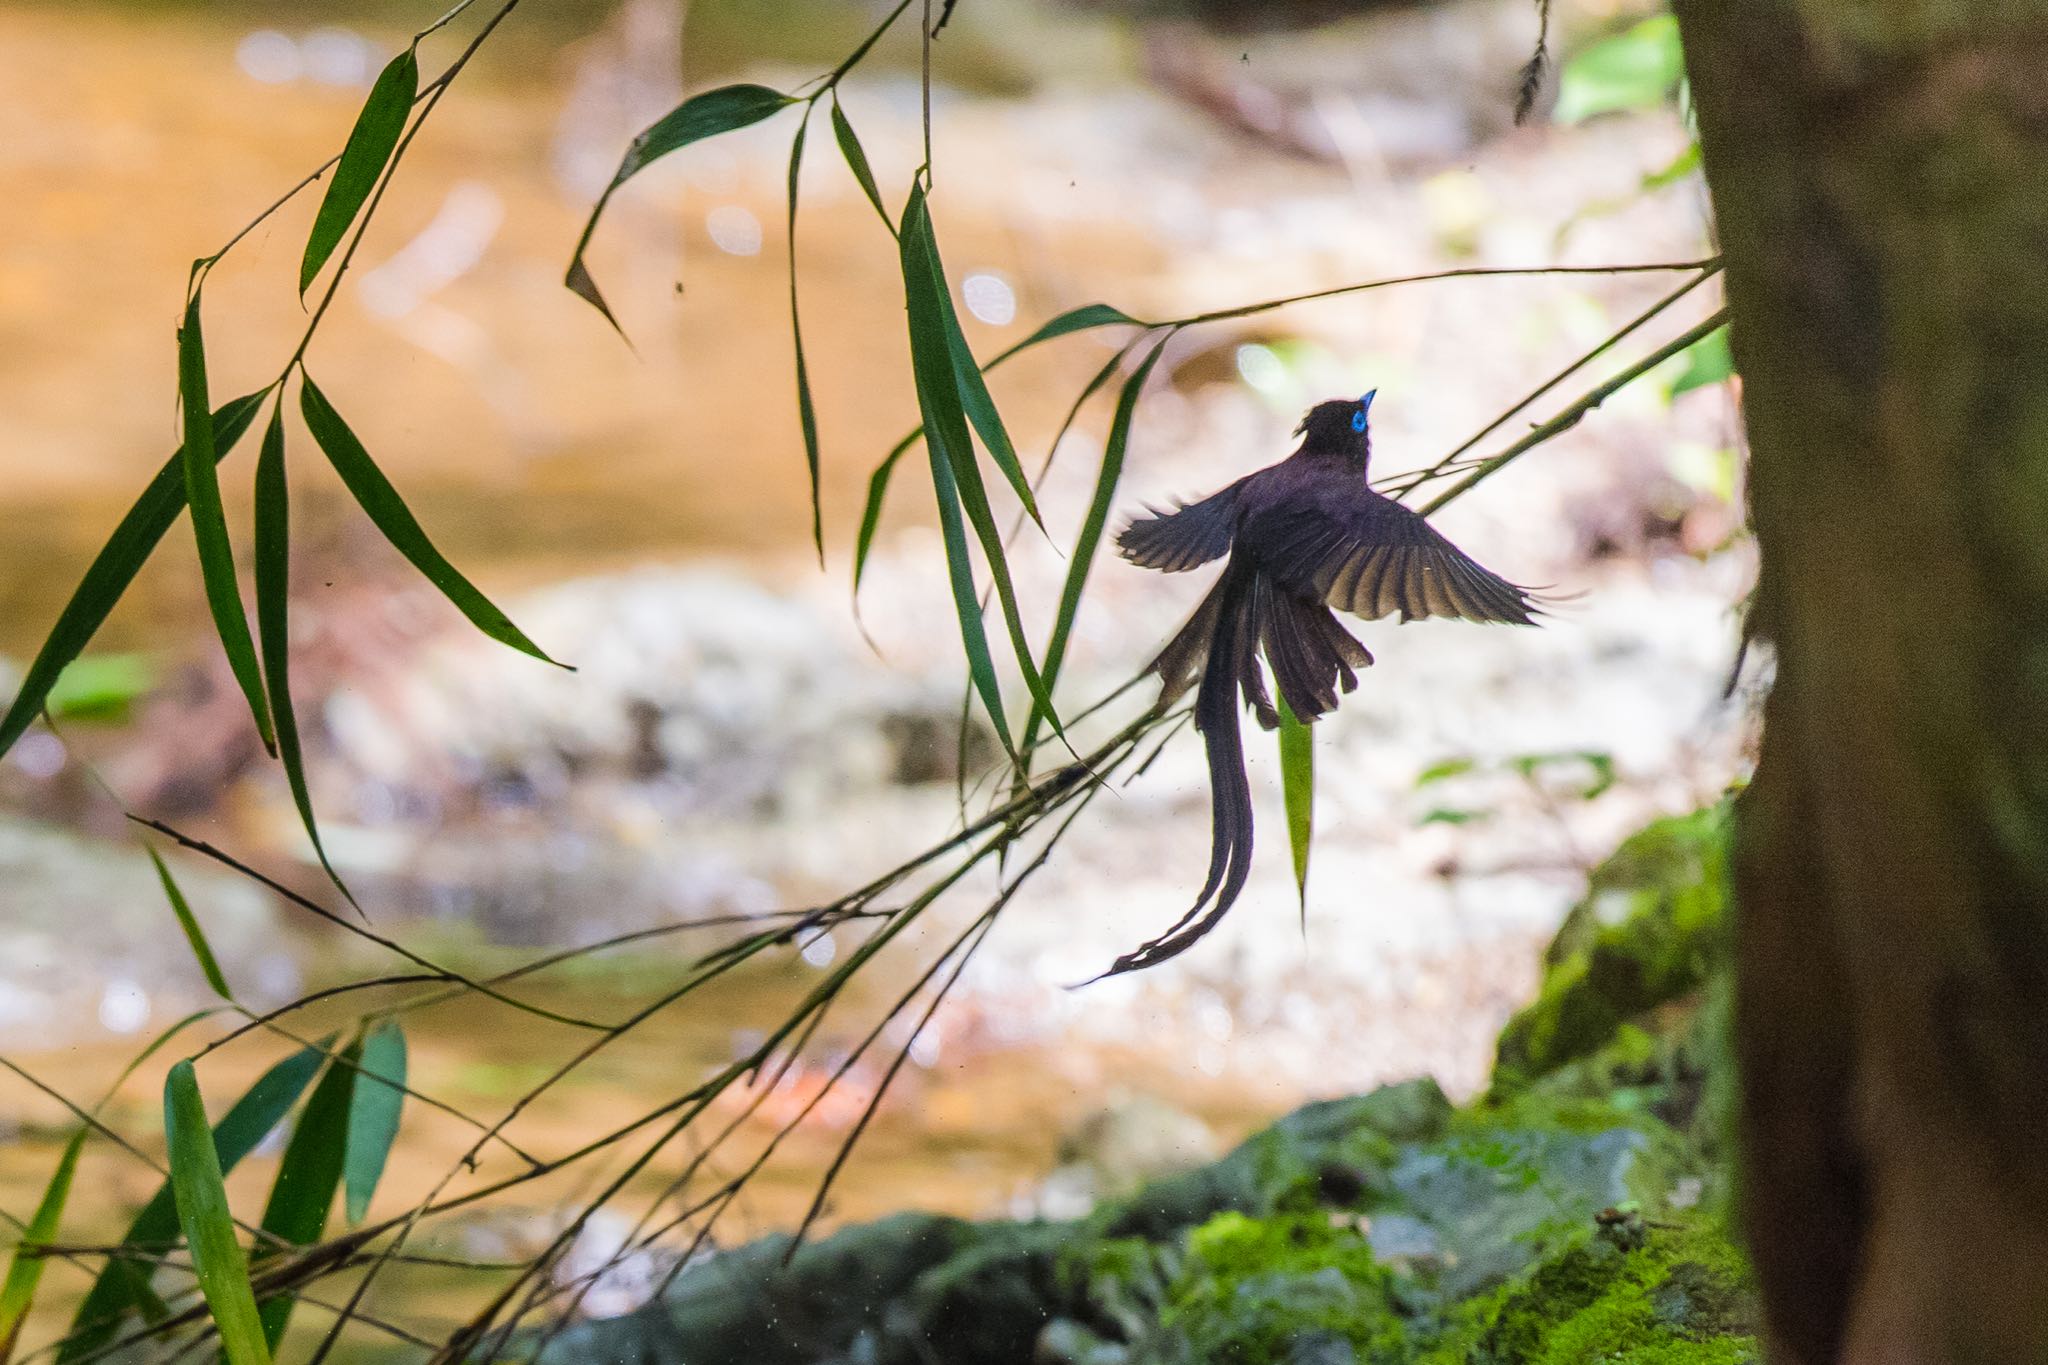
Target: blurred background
[[732, 742]]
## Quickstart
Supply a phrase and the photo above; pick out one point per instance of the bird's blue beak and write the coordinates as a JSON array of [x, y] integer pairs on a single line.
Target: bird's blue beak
[[1365, 402]]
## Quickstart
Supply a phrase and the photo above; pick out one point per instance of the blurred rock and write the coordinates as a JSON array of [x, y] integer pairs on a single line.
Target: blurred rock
[[1118, 1148], [712, 728], [1374, 85]]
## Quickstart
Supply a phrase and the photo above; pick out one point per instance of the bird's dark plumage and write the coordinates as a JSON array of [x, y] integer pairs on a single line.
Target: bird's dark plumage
[[1303, 536]]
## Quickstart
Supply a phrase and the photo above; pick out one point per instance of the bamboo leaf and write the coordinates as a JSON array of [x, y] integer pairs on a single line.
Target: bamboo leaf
[[1298, 785], [25, 1269], [1707, 361], [202, 1203], [374, 1113], [960, 576], [921, 253], [307, 1177], [100, 687], [273, 625], [1074, 320], [387, 509], [936, 352], [1445, 769], [806, 413], [583, 285], [194, 935], [123, 1285], [949, 447], [857, 161], [368, 150], [701, 116], [956, 477], [156, 1044], [209, 522], [1674, 170], [1085, 318], [871, 511], [115, 567], [1090, 538], [1638, 68]]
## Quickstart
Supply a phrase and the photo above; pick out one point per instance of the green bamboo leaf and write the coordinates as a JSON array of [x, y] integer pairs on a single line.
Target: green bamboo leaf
[[1074, 320], [387, 509], [1638, 68], [857, 161], [202, 1202], [369, 148], [960, 577], [806, 413], [155, 1044], [1090, 538], [194, 935], [700, 116], [706, 115], [960, 489], [871, 511], [101, 687], [1298, 786], [273, 625], [1674, 170], [115, 567], [209, 522], [123, 1286], [307, 1177], [1604, 775], [1444, 770], [373, 1115], [25, 1269], [1707, 361], [920, 248], [1085, 318], [950, 449]]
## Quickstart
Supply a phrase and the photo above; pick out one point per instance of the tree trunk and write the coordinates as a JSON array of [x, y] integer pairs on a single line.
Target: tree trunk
[[1880, 176]]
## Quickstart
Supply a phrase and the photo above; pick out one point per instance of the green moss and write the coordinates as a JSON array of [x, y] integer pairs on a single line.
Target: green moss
[[1117, 1284], [1674, 1298], [1644, 935], [1253, 1290]]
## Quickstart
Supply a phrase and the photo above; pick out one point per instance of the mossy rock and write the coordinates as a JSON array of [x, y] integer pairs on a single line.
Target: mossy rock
[[1633, 1296], [747, 1305], [1345, 1233], [1331, 1151], [1295, 1288], [985, 1305], [1646, 934]]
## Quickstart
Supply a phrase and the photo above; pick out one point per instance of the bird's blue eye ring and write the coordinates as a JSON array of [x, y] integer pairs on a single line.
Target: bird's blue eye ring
[[1358, 420]]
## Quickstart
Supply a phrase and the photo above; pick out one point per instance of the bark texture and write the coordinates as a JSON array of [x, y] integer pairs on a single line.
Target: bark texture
[[1880, 177]]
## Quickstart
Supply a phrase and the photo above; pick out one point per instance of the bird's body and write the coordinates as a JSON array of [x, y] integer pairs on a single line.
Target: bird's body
[[1303, 536]]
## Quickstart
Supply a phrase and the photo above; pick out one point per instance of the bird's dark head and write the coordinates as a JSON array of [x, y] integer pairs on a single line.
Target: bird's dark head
[[1339, 427]]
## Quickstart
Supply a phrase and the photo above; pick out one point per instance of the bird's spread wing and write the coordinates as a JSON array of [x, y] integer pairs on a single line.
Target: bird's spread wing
[[1373, 557], [1191, 534]]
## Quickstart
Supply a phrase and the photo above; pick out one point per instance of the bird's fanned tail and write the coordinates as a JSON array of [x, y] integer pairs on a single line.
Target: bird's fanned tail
[[1312, 657], [1231, 664]]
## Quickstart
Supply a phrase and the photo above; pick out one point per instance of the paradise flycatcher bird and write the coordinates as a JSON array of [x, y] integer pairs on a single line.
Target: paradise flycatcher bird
[[1304, 536]]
